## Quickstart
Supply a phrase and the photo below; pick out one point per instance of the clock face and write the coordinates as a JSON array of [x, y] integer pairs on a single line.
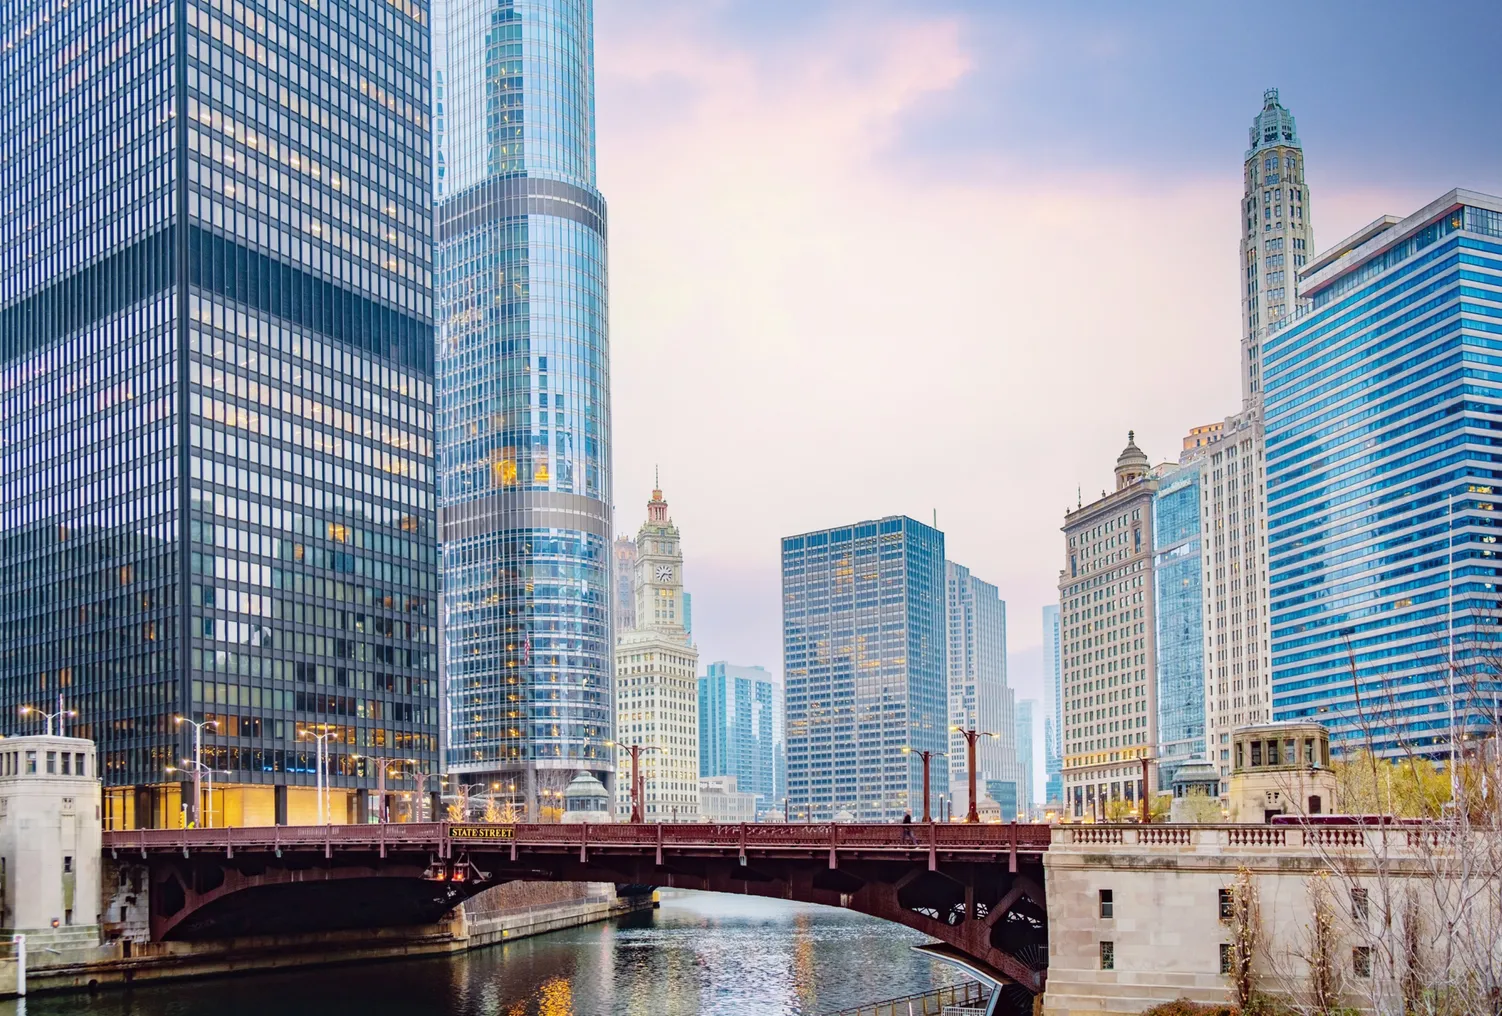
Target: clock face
[[664, 573]]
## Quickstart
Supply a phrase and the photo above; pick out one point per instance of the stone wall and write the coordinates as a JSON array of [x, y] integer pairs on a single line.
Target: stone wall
[[1164, 926]]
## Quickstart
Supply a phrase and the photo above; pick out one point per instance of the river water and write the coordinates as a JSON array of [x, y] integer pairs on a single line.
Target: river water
[[697, 954]]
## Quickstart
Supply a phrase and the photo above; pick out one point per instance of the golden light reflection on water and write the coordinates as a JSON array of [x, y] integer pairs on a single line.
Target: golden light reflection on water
[[555, 998], [805, 976]]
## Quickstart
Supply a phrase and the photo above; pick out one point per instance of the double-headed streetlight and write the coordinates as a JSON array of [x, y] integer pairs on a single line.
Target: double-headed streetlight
[[635, 751], [196, 764], [971, 736], [463, 790], [382, 763], [927, 757], [198, 769], [323, 755], [49, 717]]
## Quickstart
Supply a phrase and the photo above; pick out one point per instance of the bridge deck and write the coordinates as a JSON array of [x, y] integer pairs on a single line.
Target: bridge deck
[[441, 837]]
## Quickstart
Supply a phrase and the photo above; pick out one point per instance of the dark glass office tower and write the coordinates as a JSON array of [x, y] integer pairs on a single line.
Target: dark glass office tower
[[216, 394], [524, 389]]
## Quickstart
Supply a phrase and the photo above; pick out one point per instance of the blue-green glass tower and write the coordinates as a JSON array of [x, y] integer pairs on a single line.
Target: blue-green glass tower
[[1179, 589], [523, 393], [740, 730], [1383, 486]]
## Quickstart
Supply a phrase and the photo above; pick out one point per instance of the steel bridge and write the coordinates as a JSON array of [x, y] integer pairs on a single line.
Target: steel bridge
[[977, 888]]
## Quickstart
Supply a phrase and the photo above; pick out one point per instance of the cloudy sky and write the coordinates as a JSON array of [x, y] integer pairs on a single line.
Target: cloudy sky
[[872, 258]]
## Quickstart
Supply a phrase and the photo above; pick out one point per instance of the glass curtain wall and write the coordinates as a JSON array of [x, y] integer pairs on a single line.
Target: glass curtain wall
[[523, 378]]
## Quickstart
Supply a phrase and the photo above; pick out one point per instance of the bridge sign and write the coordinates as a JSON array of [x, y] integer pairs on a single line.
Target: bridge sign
[[482, 832]]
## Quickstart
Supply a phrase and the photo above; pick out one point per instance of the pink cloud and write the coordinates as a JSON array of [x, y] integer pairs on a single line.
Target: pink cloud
[[803, 334]]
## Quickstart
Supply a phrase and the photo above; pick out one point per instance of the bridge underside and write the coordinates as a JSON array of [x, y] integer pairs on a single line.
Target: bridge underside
[[992, 910]]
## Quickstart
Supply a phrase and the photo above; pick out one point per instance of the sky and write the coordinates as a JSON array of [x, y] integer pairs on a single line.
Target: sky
[[937, 259]]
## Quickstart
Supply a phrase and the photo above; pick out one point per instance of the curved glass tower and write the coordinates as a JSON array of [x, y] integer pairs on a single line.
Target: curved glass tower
[[523, 395]]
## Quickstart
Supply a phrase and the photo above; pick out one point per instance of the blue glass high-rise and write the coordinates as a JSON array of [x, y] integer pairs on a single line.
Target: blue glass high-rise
[[523, 394], [740, 730], [215, 392], [1178, 586], [863, 636], [1053, 705], [1382, 486]]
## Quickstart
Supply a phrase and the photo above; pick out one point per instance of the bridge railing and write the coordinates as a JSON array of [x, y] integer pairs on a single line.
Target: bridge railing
[[969, 996], [679, 836]]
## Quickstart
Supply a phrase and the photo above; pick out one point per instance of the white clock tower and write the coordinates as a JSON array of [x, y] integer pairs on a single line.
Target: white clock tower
[[657, 681], [659, 570]]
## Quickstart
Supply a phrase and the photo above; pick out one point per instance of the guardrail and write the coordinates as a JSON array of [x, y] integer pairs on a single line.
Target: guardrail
[[970, 995], [905, 838]]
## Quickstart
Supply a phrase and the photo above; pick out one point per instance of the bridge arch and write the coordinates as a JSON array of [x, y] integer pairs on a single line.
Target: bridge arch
[[979, 890]]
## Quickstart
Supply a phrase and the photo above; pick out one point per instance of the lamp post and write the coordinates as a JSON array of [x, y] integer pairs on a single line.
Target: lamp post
[[382, 762], [421, 778], [322, 755], [635, 751], [49, 717], [198, 769], [198, 765], [1147, 815], [927, 757], [971, 736]]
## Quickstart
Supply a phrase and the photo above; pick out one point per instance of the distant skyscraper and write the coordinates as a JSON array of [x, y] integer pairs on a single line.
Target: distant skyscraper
[[976, 619], [623, 576], [1178, 585], [1277, 236], [688, 616], [1053, 705], [657, 684], [863, 659], [1110, 684], [524, 393], [1027, 793], [216, 335], [740, 730], [1382, 489]]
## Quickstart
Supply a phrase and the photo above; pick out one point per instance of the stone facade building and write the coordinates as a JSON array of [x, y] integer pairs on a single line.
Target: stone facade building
[[656, 679], [1106, 598]]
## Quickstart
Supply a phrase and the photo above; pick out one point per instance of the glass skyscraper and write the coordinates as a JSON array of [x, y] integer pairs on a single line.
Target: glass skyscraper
[[1382, 486], [216, 498], [864, 666], [1053, 706], [523, 393], [975, 619], [740, 730], [1179, 587]]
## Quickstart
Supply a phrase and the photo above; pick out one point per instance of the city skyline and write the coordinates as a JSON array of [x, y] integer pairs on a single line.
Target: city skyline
[[846, 118]]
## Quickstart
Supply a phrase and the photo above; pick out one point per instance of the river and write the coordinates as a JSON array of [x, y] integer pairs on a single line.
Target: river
[[697, 954]]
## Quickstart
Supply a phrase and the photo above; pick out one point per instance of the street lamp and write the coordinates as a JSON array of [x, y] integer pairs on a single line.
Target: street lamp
[[382, 762], [198, 765], [972, 735], [927, 757], [635, 751], [323, 754], [49, 717], [462, 792], [197, 769]]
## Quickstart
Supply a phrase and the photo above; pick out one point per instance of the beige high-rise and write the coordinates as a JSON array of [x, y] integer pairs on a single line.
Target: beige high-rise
[[657, 680], [1277, 237], [1277, 240], [1106, 605]]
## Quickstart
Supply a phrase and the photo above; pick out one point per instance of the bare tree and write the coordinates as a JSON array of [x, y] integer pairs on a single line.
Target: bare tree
[[1246, 937], [1416, 889]]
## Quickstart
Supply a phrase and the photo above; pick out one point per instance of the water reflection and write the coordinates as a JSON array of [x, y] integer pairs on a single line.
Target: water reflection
[[699, 955]]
